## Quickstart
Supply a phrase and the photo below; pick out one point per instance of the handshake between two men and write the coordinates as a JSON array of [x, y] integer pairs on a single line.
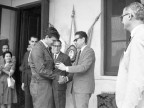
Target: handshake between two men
[[62, 78]]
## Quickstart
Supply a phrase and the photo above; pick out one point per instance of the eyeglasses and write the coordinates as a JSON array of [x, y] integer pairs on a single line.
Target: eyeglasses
[[121, 17], [75, 40]]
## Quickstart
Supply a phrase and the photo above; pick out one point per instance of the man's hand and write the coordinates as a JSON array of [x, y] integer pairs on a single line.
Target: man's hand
[[32, 65], [62, 79], [22, 86], [61, 66]]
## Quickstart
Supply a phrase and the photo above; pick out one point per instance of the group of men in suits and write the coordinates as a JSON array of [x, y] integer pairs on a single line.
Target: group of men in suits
[[49, 79], [52, 69]]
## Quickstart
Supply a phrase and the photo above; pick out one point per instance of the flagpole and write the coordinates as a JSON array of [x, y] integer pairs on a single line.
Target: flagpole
[[90, 31], [72, 24]]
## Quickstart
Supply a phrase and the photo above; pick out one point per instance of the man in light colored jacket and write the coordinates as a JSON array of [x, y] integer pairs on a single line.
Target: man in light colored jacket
[[130, 80], [83, 83]]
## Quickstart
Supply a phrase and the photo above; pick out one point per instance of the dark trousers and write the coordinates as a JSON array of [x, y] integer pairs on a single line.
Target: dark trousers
[[41, 94], [28, 98], [59, 98]]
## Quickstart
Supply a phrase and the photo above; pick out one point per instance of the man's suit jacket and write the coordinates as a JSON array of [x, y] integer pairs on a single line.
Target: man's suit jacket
[[41, 62], [26, 71], [83, 79], [130, 80], [66, 60], [26, 79]]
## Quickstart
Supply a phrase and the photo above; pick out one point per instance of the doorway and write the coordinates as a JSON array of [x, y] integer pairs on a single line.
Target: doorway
[[17, 25], [29, 24]]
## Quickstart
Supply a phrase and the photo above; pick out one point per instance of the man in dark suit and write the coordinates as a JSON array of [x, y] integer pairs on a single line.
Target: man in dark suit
[[26, 73], [83, 69], [59, 84], [42, 65]]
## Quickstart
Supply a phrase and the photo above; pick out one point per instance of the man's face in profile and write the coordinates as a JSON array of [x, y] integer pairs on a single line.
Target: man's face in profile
[[49, 41]]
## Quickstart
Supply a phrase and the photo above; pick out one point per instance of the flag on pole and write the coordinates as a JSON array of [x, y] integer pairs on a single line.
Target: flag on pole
[[90, 31], [73, 28]]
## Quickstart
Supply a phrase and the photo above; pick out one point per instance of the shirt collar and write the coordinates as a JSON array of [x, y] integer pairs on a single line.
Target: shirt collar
[[44, 43], [83, 48], [135, 30], [57, 54]]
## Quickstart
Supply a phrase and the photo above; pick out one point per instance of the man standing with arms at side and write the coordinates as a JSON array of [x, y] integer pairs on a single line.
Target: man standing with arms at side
[[26, 73], [59, 84], [130, 80], [83, 69], [42, 65]]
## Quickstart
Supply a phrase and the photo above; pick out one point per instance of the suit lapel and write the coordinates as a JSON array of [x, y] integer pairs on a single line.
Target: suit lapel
[[47, 49], [83, 52], [49, 52]]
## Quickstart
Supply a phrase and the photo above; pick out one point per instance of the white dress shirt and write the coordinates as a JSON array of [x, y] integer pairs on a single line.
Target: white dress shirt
[[130, 79]]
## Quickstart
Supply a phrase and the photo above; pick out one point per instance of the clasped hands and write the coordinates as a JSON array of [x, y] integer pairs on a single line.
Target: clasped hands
[[62, 79], [61, 66]]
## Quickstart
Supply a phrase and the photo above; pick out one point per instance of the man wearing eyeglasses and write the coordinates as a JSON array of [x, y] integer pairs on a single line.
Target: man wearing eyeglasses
[[59, 84], [83, 70], [130, 80]]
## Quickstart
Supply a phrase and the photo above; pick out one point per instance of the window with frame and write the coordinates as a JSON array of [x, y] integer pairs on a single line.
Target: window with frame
[[115, 37]]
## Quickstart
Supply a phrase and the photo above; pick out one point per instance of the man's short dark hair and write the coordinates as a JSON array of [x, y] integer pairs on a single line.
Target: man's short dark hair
[[52, 32], [33, 37], [58, 41], [82, 34]]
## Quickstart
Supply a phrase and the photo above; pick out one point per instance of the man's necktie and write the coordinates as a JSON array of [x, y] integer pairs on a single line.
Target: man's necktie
[[49, 49], [55, 56], [129, 40], [78, 56]]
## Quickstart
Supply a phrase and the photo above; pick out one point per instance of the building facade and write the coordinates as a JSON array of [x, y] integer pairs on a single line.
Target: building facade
[[108, 37]]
